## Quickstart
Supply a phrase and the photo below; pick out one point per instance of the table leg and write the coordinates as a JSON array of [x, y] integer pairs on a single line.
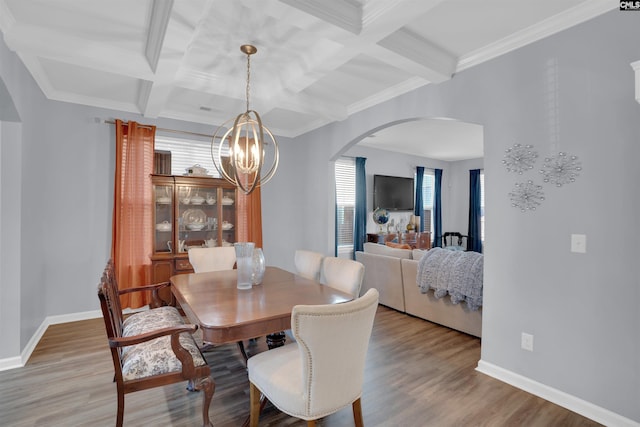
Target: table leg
[[275, 340]]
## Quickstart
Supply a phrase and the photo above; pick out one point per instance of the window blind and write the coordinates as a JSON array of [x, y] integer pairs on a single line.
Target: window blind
[[345, 171], [428, 182], [186, 153]]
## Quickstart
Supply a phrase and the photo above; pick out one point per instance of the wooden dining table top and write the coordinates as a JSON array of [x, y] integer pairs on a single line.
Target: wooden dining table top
[[227, 314]]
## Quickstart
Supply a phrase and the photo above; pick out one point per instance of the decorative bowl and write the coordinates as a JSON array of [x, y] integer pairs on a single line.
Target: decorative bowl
[[197, 200], [164, 200], [227, 225], [196, 170], [227, 200], [194, 216], [195, 226], [164, 226]]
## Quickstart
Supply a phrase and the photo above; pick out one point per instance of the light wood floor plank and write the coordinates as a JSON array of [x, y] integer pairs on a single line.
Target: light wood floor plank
[[418, 374]]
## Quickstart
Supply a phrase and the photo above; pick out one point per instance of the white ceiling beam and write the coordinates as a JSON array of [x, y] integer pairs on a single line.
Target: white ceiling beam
[[168, 40], [346, 14], [437, 65]]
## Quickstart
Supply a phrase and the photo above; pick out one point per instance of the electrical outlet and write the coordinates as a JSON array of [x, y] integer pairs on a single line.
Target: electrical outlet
[[526, 341], [579, 243]]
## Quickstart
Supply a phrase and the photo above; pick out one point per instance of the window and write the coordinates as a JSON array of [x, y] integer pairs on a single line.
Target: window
[[345, 171], [186, 153], [482, 206], [428, 182]]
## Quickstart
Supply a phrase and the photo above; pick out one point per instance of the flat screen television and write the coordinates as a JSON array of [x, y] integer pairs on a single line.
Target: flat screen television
[[393, 193]]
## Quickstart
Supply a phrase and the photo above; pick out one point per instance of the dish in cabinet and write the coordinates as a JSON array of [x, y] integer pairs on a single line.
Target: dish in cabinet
[[194, 219], [197, 200], [164, 226]]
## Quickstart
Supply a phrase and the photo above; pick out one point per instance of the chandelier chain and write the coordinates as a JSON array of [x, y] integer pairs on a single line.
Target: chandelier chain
[[248, 78]]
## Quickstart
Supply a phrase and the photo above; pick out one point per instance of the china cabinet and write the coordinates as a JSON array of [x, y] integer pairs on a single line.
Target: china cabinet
[[189, 211]]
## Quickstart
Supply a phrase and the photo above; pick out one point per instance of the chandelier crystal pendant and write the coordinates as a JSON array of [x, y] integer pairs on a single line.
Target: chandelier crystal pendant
[[240, 155]]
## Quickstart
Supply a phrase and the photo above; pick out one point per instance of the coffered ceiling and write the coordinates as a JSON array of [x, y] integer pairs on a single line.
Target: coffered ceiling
[[318, 61]]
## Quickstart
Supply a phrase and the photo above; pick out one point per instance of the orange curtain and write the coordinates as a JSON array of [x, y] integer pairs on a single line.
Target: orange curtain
[[132, 238], [250, 217]]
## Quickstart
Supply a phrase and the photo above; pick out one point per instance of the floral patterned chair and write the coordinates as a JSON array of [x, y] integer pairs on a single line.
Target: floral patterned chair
[[151, 348]]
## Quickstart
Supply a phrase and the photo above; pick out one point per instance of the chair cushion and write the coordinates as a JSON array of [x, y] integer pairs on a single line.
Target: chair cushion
[[277, 373], [156, 356]]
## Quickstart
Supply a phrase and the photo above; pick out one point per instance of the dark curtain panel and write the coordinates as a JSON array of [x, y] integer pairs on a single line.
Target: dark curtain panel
[[437, 209], [418, 210], [360, 216], [474, 242], [335, 219]]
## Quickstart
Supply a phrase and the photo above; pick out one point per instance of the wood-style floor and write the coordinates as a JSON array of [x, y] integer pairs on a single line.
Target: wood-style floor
[[418, 374]]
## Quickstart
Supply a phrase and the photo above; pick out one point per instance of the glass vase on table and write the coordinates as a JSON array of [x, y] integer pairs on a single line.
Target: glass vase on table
[[244, 261], [258, 267]]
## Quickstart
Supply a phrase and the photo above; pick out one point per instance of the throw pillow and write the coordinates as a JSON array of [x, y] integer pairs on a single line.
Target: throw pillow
[[398, 245]]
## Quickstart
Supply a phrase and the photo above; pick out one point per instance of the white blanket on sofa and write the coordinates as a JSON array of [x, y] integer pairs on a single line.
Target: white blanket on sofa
[[458, 274]]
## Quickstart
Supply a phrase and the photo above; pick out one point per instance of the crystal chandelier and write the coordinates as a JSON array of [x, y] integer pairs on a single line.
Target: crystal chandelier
[[240, 155]]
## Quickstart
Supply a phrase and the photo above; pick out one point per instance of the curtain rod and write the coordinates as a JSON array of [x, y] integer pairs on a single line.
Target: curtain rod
[[111, 122]]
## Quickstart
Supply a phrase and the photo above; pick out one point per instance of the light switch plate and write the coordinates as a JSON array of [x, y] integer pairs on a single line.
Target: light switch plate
[[579, 243]]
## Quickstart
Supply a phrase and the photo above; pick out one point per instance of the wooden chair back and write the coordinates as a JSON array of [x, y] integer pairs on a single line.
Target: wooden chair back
[[196, 372]]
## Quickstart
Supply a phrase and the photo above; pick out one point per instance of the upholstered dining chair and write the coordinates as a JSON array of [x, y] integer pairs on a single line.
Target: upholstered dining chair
[[308, 264], [212, 259], [343, 274], [323, 372]]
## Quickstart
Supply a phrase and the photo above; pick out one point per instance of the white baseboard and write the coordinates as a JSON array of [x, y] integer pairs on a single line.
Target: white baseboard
[[579, 406], [20, 361]]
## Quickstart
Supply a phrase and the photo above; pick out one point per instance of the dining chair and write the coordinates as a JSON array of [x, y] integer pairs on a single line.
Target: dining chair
[[308, 264], [343, 274], [212, 259], [323, 372]]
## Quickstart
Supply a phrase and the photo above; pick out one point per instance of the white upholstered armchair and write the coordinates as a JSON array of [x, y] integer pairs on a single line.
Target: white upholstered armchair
[[343, 274], [323, 371]]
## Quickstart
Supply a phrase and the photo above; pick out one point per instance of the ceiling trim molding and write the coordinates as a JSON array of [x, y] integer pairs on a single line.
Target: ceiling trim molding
[[387, 94], [7, 21], [548, 27], [158, 23], [419, 50], [346, 14], [373, 10]]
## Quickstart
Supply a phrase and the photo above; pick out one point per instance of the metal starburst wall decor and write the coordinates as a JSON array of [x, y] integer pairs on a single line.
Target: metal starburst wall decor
[[560, 169], [519, 158], [526, 196]]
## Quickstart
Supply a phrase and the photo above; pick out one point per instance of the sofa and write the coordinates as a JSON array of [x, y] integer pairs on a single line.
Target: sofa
[[393, 272]]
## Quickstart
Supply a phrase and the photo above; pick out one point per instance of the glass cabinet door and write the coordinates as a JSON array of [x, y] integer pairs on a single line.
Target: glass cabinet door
[[228, 223], [197, 217], [191, 212], [163, 216]]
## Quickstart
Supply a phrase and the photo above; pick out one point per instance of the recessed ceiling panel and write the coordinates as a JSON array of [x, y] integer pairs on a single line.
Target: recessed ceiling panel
[[356, 80], [94, 86]]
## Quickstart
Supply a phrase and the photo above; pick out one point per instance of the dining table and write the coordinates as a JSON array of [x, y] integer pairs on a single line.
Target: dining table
[[226, 314]]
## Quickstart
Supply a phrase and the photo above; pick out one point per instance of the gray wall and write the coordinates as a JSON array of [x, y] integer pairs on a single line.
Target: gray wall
[[571, 92]]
